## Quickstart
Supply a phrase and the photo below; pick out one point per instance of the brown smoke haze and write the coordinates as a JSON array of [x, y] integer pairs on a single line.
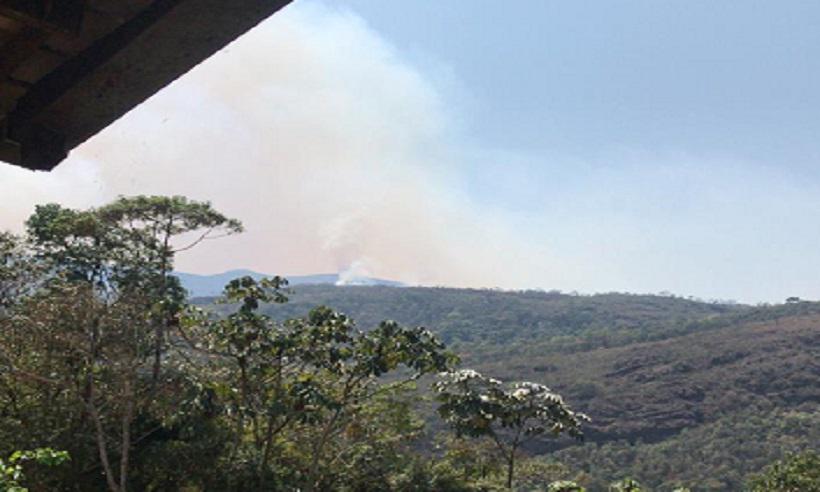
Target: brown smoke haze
[[339, 155], [332, 151]]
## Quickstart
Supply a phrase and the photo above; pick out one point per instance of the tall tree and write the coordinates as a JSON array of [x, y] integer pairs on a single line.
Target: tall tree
[[96, 329], [129, 245], [12, 474], [796, 472]]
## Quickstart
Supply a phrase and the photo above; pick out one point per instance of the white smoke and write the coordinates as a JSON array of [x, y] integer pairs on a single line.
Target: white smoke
[[356, 274]]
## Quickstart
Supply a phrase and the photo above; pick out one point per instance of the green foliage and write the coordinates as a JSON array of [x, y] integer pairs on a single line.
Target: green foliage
[[679, 409], [11, 469], [565, 486], [126, 244], [796, 473], [625, 485], [101, 355], [421, 476], [476, 460], [714, 456], [535, 473], [512, 323], [11, 269], [88, 335], [317, 376], [477, 406], [718, 385]]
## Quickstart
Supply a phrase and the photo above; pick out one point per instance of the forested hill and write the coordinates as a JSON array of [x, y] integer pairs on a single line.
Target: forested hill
[[504, 318], [708, 408], [680, 391]]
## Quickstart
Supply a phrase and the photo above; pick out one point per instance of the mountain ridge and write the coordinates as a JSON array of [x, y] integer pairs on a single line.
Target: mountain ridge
[[210, 285]]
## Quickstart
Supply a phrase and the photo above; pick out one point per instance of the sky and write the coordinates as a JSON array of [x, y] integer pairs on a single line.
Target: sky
[[641, 146]]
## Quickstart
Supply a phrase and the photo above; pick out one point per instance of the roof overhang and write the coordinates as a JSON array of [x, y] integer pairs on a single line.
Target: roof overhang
[[69, 68]]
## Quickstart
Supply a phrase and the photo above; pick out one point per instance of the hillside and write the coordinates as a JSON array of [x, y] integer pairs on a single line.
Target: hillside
[[501, 320], [668, 385], [679, 390], [717, 404]]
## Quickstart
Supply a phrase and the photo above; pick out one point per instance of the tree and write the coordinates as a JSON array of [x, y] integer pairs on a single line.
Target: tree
[[625, 485], [565, 486], [128, 245], [317, 376], [13, 269], [477, 406], [472, 460], [11, 469], [796, 473], [71, 346], [92, 327]]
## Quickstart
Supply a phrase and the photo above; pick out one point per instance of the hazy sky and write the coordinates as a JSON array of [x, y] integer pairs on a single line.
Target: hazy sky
[[638, 146]]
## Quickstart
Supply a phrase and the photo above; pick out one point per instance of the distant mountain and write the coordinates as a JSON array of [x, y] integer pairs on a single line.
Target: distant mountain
[[211, 285]]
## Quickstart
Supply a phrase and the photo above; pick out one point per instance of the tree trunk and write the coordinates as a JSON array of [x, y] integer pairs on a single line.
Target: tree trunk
[[510, 469], [317, 449], [102, 448], [126, 433], [94, 414], [159, 329]]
